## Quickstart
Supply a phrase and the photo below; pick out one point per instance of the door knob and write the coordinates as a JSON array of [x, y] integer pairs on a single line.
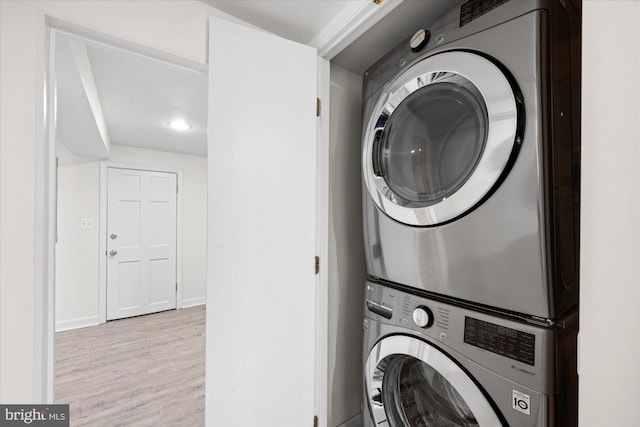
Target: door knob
[[113, 252], [113, 236]]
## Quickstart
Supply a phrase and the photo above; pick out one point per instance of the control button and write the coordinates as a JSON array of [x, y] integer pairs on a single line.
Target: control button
[[423, 317], [419, 40], [443, 336]]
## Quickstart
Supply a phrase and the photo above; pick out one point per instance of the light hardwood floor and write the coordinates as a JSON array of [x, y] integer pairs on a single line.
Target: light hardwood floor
[[142, 371]]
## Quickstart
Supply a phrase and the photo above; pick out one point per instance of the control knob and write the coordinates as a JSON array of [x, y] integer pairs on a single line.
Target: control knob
[[422, 316], [419, 40]]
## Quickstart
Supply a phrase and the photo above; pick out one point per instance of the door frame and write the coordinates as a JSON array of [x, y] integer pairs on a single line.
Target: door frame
[[45, 185], [46, 200], [322, 243], [104, 187]]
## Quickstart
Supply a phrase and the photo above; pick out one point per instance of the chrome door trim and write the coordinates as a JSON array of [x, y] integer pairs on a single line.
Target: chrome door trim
[[410, 346], [502, 111]]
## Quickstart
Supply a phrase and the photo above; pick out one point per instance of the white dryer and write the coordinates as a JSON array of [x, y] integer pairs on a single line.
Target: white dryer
[[471, 158], [429, 363]]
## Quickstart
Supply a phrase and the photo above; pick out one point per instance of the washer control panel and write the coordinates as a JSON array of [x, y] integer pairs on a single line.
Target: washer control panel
[[498, 339], [512, 348], [473, 9]]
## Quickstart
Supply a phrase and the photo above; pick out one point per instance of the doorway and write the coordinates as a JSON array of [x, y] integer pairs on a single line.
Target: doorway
[[172, 171]]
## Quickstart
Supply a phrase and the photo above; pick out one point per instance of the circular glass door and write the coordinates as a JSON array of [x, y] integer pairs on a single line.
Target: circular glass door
[[439, 138], [412, 384]]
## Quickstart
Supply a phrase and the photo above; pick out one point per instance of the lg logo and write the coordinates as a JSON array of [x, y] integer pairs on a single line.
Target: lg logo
[[521, 402]]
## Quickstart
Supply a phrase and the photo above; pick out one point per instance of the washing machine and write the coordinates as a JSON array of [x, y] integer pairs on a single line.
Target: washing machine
[[471, 156], [430, 363]]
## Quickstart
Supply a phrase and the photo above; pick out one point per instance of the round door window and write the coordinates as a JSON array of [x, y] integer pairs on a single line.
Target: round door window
[[439, 138], [410, 383], [433, 141], [416, 395]]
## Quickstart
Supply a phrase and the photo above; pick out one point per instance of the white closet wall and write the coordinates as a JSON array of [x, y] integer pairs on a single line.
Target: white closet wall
[[346, 259]]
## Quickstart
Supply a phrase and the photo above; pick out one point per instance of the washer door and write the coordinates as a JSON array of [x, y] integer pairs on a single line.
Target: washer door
[[439, 138], [410, 383]]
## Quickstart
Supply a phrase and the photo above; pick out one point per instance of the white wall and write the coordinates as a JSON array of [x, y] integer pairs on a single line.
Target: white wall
[[179, 27], [610, 266], [77, 250], [346, 258]]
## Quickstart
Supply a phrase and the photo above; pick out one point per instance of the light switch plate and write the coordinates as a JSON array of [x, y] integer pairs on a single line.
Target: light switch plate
[[86, 223]]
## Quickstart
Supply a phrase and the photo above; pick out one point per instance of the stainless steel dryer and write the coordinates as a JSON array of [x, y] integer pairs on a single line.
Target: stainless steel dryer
[[429, 363], [471, 157]]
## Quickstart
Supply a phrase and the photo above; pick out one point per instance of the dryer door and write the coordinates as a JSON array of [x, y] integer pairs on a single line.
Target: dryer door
[[411, 383], [440, 138]]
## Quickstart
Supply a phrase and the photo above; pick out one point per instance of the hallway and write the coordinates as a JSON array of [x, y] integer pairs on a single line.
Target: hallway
[[146, 370]]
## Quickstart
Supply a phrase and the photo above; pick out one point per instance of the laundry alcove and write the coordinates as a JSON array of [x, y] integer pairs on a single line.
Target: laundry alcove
[[610, 275]]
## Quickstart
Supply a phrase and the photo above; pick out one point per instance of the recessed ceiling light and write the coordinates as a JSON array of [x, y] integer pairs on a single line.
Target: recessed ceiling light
[[179, 124]]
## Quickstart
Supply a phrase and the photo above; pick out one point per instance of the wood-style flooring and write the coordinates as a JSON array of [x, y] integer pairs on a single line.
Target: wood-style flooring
[[141, 371]]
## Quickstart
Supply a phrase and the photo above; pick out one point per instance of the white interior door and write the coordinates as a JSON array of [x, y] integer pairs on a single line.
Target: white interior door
[[261, 229], [141, 242]]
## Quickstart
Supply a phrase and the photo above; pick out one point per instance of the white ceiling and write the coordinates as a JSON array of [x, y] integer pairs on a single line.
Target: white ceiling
[[304, 20], [297, 20], [139, 95]]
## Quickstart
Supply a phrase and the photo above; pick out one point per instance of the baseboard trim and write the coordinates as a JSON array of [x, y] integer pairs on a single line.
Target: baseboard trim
[[356, 421], [192, 302], [81, 322]]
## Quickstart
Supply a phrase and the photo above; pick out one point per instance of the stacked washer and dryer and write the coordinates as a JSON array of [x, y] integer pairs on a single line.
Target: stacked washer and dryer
[[471, 154]]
